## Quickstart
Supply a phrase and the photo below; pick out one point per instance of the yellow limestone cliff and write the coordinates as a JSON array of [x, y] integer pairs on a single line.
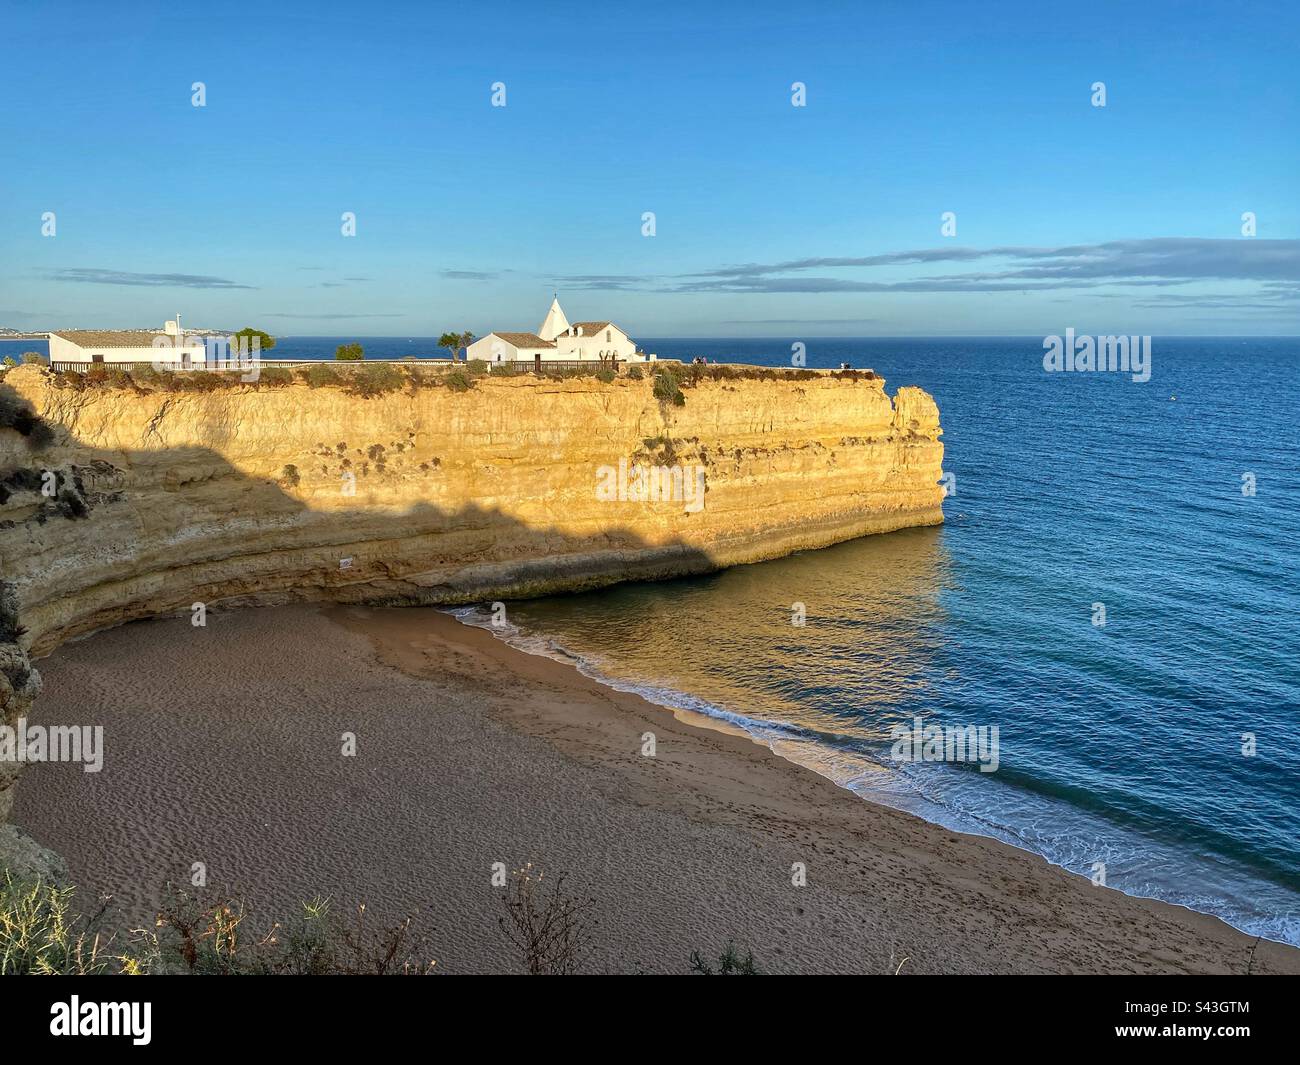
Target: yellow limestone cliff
[[120, 503]]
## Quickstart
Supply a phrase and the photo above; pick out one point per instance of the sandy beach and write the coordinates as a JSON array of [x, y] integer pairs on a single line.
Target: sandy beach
[[222, 746]]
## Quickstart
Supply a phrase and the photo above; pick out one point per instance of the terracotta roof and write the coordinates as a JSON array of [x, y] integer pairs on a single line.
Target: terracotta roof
[[592, 328], [525, 340], [110, 338]]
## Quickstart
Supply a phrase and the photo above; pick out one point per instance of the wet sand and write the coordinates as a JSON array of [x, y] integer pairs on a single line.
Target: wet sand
[[223, 747]]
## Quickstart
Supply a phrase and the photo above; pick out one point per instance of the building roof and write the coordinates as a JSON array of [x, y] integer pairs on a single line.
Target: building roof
[[524, 340], [590, 329], [554, 323], [111, 338]]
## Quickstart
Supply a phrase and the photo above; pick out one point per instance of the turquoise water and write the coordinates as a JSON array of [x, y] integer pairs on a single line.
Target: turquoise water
[[1121, 744]]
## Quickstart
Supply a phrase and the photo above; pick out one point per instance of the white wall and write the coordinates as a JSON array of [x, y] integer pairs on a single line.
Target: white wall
[[492, 348], [610, 342], [62, 350]]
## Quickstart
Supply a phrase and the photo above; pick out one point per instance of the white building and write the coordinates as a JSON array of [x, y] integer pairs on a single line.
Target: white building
[[171, 347], [556, 339]]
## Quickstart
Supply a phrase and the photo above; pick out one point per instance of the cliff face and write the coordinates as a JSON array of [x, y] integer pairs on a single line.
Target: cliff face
[[161, 500]]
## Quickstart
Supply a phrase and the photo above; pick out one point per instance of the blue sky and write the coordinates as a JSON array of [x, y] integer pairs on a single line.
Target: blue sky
[[771, 220]]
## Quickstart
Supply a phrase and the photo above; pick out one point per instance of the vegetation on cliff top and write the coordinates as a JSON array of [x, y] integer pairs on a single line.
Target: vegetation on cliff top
[[669, 379]]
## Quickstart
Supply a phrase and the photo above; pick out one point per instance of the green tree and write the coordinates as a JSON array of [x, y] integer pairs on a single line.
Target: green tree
[[245, 337], [453, 342], [349, 353]]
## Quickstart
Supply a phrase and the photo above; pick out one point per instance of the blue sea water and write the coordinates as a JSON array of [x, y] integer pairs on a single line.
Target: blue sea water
[[1120, 745]]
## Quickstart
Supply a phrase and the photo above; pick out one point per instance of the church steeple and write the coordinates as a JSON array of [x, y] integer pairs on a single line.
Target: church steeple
[[555, 323]]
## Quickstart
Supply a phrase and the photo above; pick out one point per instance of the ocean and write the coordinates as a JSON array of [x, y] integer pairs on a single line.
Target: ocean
[[1159, 752]]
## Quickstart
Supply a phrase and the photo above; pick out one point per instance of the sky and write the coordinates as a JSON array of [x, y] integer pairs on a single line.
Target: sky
[[769, 219]]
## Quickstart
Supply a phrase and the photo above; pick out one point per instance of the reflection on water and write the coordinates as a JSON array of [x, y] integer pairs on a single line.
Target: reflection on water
[[872, 612]]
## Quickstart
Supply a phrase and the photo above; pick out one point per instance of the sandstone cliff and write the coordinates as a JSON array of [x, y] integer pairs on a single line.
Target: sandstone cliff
[[118, 504]]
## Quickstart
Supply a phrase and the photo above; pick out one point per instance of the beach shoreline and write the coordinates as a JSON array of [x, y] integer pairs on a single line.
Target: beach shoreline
[[471, 751]]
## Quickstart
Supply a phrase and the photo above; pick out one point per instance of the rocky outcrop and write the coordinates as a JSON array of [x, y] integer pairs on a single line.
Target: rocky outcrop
[[120, 503]]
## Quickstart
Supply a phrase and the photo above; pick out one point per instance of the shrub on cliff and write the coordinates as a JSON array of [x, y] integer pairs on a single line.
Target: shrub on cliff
[[273, 377], [503, 369], [144, 373], [606, 374], [349, 352], [375, 380], [203, 381], [320, 375], [635, 373], [34, 358], [458, 381], [667, 388], [195, 381], [477, 367]]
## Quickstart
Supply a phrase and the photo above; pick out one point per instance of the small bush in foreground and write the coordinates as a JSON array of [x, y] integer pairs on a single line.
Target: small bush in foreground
[[212, 937], [477, 367], [40, 935], [730, 963], [349, 352], [547, 926]]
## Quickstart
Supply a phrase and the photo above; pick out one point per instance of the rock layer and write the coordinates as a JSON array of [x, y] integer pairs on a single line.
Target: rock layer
[[118, 504]]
